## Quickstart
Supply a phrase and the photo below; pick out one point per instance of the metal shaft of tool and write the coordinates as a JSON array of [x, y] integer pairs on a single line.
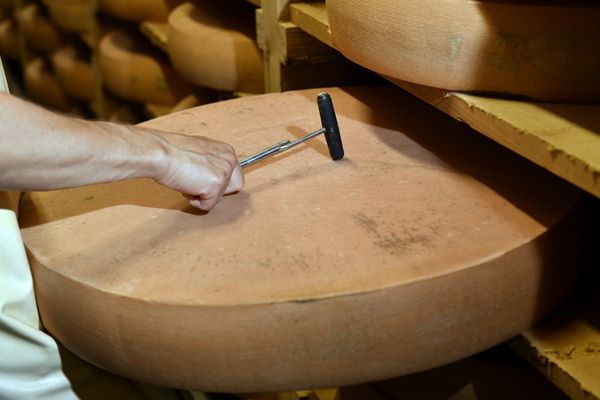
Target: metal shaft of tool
[[278, 148]]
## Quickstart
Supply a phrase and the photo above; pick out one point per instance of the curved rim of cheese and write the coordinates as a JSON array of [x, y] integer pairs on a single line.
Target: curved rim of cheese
[[38, 30], [229, 58], [136, 72], [74, 73], [9, 39], [71, 15], [531, 49], [403, 256], [42, 86], [139, 10]]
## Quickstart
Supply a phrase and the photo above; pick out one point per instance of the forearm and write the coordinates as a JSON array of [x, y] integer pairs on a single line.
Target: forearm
[[41, 150]]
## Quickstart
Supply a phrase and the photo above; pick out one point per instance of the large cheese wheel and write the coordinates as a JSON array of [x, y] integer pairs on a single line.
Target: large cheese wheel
[[139, 10], [71, 15], [9, 40], [74, 73], [42, 87], [212, 44], [542, 50], [137, 73], [39, 32], [426, 244]]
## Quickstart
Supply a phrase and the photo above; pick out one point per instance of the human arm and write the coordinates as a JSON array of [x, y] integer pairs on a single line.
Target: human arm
[[42, 150]]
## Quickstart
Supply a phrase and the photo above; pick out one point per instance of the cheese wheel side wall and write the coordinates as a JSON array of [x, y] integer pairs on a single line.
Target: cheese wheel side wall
[[541, 52]]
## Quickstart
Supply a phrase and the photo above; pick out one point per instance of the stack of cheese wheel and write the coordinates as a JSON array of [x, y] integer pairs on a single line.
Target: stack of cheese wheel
[[412, 252], [212, 44], [40, 34], [136, 72], [139, 10], [74, 73], [42, 87], [9, 40], [546, 50], [71, 15]]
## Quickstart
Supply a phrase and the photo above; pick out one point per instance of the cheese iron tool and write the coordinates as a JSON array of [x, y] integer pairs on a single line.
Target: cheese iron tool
[[329, 127]]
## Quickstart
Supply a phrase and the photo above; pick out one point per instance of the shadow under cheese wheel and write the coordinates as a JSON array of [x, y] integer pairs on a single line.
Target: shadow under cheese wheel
[[139, 10], [136, 72], [212, 44], [427, 243], [42, 87], [541, 50], [74, 73]]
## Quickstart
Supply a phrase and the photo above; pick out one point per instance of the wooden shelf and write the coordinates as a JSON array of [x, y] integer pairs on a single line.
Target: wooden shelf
[[566, 347], [156, 32]]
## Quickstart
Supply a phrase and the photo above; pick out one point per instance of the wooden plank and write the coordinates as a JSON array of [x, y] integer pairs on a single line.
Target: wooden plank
[[312, 18], [156, 32], [563, 138], [566, 347]]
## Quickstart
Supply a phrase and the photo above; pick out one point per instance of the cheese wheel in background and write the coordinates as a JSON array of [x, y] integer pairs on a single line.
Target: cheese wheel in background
[[212, 44], [136, 72], [139, 10], [42, 87], [74, 73], [39, 32], [9, 40], [71, 15], [539, 50]]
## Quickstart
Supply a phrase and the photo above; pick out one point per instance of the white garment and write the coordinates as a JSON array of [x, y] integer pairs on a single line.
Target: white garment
[[30, 364]]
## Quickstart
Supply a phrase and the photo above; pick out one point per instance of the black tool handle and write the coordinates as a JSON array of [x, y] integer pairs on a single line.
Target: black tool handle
[[332, 130]]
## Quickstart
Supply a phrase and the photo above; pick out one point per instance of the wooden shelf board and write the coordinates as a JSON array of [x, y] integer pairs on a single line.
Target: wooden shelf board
[[566, 347], [156, 32], [563, 138], [312, 18]]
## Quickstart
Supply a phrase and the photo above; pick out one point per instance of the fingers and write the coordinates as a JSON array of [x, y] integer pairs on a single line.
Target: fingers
[[233, 181], [236, 181]]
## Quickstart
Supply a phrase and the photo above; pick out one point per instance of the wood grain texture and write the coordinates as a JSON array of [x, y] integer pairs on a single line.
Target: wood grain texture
[[541, 51], [426, 244]]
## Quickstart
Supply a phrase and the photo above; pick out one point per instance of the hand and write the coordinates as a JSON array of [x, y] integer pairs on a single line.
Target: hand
[[202, 169]]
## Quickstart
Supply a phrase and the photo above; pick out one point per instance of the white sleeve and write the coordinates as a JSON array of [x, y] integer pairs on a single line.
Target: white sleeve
[[30, 364]]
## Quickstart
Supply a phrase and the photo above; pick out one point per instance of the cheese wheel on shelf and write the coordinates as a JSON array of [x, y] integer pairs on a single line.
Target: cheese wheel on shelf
[[9, 40], [71, 15], [541, 50], [42, 87], [39, 32], [427, 243], [139, 10], [136, 72], [74, 73], [212, 44]]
